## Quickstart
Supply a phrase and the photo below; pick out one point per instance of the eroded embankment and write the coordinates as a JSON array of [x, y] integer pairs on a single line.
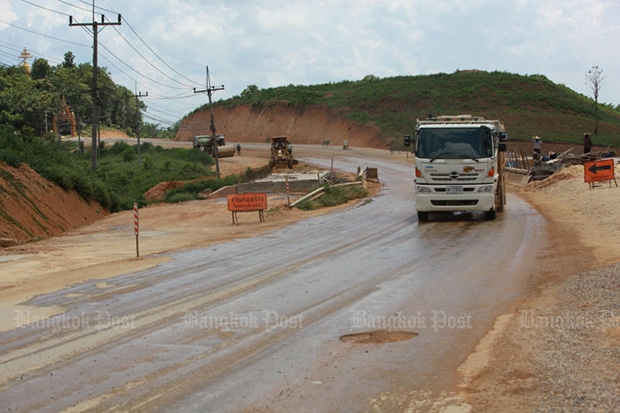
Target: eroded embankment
[[313, 125], [33, 208]]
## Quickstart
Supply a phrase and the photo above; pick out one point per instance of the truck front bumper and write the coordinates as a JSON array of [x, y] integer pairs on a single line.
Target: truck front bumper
[[470, 200]]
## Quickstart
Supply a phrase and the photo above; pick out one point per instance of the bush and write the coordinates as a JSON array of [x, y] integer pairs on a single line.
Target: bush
[[180, 197], [11, 157], [129, 155], [333, 195], [193, 189], [308, 205]]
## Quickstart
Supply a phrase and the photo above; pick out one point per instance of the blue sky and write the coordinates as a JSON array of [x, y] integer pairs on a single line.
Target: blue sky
[[164, 46]]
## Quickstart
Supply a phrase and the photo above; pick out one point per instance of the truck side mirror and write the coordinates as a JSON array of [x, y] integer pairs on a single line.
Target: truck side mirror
[[502, 147], [407, 140], [503, 137]]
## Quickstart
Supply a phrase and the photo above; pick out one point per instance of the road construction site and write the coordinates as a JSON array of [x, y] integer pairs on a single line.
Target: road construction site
[[355, 309]]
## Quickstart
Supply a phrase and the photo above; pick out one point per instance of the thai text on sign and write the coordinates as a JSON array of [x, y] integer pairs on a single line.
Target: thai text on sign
[[601, 170], [247, 202]]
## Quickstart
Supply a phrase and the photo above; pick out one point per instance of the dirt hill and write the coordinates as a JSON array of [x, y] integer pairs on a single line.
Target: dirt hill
[[32, 208], [314, 125]]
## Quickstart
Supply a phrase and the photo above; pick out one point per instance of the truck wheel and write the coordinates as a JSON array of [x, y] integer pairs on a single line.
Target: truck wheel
[[423, 216], [490, 215], [500, 198]]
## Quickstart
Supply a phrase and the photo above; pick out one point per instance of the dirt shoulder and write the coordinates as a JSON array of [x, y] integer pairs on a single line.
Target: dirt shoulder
[[107, 247], [560, 349]]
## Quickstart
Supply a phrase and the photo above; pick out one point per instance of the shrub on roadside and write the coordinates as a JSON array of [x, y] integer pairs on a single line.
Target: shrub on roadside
[[333, 195]]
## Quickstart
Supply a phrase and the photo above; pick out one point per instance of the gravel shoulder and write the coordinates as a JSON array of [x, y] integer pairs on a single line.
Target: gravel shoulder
[[560, 349]]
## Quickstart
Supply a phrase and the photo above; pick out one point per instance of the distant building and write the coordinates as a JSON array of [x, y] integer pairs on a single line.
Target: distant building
[[24, 59]]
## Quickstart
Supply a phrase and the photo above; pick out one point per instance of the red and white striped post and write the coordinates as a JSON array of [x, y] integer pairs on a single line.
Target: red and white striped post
[[288, 192], [136, 227]]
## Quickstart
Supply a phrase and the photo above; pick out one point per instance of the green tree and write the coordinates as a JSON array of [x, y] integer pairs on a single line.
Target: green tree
[[21, 102], [594, 80], [69, 61], [40, 69], [249, 91]]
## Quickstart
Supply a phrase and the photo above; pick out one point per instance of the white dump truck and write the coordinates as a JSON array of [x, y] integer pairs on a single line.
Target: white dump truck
[[459, 164]]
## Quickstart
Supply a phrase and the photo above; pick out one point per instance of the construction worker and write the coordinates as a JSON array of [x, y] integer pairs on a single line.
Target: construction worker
[[587, 143], [537, 144]]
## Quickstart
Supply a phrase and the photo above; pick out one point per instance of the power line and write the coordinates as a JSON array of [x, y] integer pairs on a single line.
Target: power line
[[127, 23], [184, 94], [33, 52], [147, 60], [97, 7], [162, 60], [127, 41], [45, 8], [44, 35], [156, 119], [77, 7], [140, 74]]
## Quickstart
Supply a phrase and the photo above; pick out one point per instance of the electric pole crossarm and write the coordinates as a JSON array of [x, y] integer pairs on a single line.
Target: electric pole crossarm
[[95, 23]]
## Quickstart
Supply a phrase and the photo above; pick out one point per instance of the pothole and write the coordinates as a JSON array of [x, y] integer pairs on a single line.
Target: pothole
[[378, 336]]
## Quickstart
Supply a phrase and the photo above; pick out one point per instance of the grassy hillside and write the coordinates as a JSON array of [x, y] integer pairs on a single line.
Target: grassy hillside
[[528, 105]]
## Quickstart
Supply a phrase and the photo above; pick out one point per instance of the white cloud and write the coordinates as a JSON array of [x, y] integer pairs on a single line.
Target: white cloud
[[7, 14]]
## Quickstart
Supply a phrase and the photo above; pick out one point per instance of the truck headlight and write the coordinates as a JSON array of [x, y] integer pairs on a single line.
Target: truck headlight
[[422, 189], [486, 188]]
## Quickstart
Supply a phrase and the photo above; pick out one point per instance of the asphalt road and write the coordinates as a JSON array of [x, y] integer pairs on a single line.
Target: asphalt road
[[256, 324]]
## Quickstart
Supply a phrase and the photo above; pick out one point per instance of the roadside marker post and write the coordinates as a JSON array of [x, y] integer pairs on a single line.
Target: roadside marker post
[[288, 192], [136, 227]]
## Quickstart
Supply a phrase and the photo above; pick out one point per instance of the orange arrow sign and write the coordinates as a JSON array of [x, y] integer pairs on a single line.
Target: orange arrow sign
[[601, 170]]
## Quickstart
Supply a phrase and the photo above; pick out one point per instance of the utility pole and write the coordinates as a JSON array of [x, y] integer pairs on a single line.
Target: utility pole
[[95, 28], [210, 89], [138, 95]]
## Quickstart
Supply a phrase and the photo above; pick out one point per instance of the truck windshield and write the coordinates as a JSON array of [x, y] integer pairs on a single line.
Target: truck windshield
[[454, 143]]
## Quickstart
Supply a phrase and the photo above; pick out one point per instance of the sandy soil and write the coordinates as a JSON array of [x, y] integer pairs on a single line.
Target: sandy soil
[[108, 247], [514, 367]]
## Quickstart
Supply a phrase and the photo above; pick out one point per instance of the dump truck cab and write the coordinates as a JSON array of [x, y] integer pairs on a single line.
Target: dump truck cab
[[459, 164]]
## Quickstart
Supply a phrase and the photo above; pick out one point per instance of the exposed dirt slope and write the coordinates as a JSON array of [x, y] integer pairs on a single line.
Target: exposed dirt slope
[[33, 208], [313, 125]]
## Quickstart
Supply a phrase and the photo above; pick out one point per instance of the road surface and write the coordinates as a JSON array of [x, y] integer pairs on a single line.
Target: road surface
[[279, 322]]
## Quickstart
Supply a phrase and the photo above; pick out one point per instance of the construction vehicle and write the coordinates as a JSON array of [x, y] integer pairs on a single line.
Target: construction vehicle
[[281, 153], [459, 165], [206, 143]]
